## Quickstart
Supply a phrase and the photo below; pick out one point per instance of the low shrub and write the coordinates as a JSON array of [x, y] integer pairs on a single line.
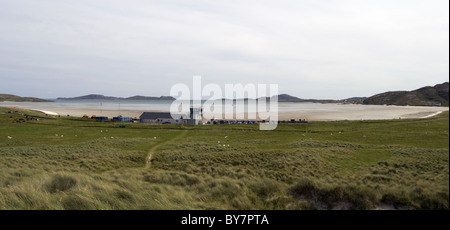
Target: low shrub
[[60, 183]]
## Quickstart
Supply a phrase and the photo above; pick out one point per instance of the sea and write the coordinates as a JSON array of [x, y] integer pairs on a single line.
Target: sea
[[149, 105]]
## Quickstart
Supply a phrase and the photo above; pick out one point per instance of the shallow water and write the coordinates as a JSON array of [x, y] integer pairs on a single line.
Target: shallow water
[[155, 105]]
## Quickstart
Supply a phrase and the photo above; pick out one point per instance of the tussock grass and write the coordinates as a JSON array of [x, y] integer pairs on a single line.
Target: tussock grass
[[60, 183], [401, 164], [335, 197]]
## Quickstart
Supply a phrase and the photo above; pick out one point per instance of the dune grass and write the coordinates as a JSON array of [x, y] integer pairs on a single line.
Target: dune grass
[[72, 163]]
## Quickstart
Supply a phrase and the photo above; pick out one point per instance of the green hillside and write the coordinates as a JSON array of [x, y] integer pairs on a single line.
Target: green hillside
[[9, 97], [437, 95]]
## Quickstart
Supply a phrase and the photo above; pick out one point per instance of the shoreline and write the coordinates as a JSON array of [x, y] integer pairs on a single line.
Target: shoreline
[[335, 112]]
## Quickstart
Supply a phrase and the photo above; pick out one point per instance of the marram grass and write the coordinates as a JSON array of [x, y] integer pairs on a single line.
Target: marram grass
[[71, 163]]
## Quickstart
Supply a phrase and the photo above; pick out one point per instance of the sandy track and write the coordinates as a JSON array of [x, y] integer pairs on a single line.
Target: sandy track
[[152, 151]]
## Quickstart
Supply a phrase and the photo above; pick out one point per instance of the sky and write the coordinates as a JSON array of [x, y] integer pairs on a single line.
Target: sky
[[327, 49]]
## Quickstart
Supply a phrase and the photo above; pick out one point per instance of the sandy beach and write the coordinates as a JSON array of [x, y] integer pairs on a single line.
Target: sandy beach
[[365, 112], [317, 112], [90, 112]]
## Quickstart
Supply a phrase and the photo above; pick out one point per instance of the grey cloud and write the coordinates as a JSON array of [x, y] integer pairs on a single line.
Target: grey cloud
[[312, 49]]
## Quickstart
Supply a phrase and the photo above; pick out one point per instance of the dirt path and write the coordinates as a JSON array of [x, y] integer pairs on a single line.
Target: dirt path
[[152, 151]]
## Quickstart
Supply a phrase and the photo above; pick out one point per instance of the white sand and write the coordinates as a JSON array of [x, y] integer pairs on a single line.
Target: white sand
[[49, 112], [366, 112]]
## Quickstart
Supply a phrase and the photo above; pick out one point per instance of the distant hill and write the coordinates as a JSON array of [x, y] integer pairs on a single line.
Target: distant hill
[[9, 97], [354, 100], [427, 96], [89, 97], [437, 95], [289, 98], [167, 98], [102, 97]]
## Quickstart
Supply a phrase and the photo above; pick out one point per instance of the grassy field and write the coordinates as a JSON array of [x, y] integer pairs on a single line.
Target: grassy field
[[71, 163]]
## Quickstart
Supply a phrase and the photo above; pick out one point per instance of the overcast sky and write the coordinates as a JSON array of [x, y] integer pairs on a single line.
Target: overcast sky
[[313, 49]]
